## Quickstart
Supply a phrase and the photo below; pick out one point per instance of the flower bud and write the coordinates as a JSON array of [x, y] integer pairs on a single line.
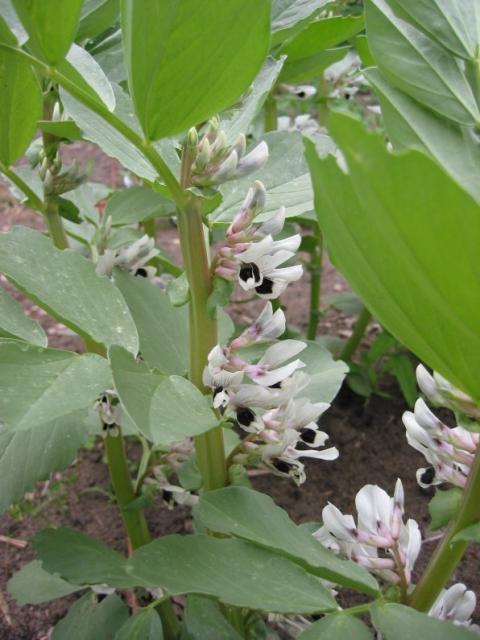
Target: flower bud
[[227, 169], [192, 138], [203, 157], [252, 161], [240, 145]]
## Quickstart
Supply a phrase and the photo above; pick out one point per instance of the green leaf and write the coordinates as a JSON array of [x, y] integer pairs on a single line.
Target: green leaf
[[41, 385], [97, 16], [176, 76], [291, 16], [346, 302], [65, 129], [109, 55], [130, 206], [410, 125], [144, 625], [469, 534], [400, 364], [15, 324], [29, 456], [303, 69], [80, 559], [443, 507], [163, 328], [178, 290], [382, 235], [248, 514], [20, 102], [33, 585], [66, 286], [9, 15], [363, 50], [335, 627], [263, 580], [82, 69], [398, 622], [92, 620], [321, 35], [167, 409], [326, 374], [238, 119], [285, 176], [455, 25], [99, 131], [204, 619], [51, 26], [413, 62]]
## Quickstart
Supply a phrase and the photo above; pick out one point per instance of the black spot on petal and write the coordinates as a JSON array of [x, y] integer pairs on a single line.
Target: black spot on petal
[[282, 466], [276, 385], [245, 416], [143, 273], [308, 435], [249, 270], [266, 287], [428, 476]]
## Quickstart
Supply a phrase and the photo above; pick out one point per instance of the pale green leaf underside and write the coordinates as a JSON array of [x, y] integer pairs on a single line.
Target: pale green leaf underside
[[33, 585], [15, 324]]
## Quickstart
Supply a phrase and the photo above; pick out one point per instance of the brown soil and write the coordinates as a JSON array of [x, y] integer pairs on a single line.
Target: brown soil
[[370, 436]]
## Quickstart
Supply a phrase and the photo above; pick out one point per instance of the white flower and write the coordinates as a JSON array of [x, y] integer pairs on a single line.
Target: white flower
[[132, 258], [380, 528], [268, 326], [267, 371], [442, 393], [456, 605]]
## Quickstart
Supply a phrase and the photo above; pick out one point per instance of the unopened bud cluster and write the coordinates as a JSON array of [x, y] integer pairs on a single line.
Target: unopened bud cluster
[[251, 255], [449, 451], [262, 397], [215, 160]]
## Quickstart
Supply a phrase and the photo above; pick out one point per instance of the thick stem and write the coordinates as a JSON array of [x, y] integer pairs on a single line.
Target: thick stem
[[315, 268], [448, 554], [134, 520], [357, 335], [203, 337], [270, 114]]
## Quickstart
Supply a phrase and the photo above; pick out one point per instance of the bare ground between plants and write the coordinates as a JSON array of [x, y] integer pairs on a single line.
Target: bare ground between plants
[[370, 436]]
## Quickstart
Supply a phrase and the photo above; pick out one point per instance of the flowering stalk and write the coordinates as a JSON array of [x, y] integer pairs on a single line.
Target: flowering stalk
[[448, 554], [209, 446]]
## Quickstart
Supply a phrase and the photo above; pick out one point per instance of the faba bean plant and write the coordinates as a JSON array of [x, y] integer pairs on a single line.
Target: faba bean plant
[[222, 115]]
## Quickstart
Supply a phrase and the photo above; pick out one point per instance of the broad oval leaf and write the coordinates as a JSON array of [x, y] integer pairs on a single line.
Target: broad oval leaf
[[321, 35], [291, 16], [33, 585], [80, 559], [65, 284], [248, 514], [145, 624], [188, 60], [89, 619], [97, 16], [15, 324], [469, 534], [41, 385], [338, 626], [326, 374], [203, 618], [130, 206], [389, 223], [20, 102], [443, 507], [409, 124], [51, 26], [167, 409], [455, 25], [413, 62], [82, 69], [398, 622], [27, 457], [262, 579]]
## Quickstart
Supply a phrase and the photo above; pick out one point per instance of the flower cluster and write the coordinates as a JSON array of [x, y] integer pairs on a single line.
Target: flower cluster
[[252, 255], [109, 411], [216, 161], [133, 258], [380, 540], [262, 397], [449, 451]]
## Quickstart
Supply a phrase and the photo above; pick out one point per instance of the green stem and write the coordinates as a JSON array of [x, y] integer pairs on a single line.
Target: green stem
[[359, 609], [134, 520], [315, 268], [203, 337], [270, 114], [56, 229], [448, 554], [322, 100], [352, 343]]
